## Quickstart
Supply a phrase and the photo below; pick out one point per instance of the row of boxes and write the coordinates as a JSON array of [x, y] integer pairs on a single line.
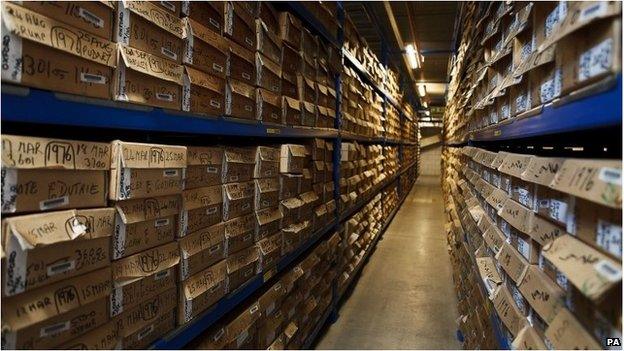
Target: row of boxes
[[527, 55], [362, 108], [524, 216], [361, 171], [221, 60], [285, 313]]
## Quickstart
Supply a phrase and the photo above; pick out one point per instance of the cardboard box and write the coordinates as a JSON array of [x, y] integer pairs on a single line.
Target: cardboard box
[[239, 25], [291, 111], [238, 164], [204, 166], [201, 208], [241, 267], [236, 332], [87, 69], [317, 147], [204, 49], [209, 14], [41, 174], [306, 181], [240, 100], [146, 170], [289, 185], [105, 337], [202, 93], [238, 199], [201, 249], [594, 277], [566, 332], [269, 17], [310, 200], [146, 79], [269, 106], [289, 85], [146, 263], [268, 222], [508, 311], [307, 89], [239, 234], [41, 249], [597, 225], [94, 17], [291, 210], [270, 327], [309, 43], [270, 251], [29, 322], [268, 74], [329, 151], [268, 43], [308, 67], [161, 31], [308, 114], [318, 172], [241, 64], [290, 29], [201, 291], [174, 7], [292, 158], [266, 193], [143, 338], [141, 224], [293, 235], [267, 162], [535, 287], [321, 217], [148, 312]]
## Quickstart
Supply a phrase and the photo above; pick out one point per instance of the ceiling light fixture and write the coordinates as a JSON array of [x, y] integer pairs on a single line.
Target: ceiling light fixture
[[412, 56], [425, 104], [427, 113], [422, 90]]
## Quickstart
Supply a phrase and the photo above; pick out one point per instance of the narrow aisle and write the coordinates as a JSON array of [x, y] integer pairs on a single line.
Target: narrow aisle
[[404, 298]]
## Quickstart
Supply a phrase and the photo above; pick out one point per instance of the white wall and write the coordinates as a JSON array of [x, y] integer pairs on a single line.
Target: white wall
[[430, 161]]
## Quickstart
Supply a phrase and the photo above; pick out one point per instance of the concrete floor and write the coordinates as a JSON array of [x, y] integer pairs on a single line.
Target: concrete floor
[[404, 298]]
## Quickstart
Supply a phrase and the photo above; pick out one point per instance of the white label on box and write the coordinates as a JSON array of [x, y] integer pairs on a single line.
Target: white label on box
[[168, 173], [184, 266], [562, 280], [596, 60], [214, 103], [240, 339], [211, 169], [15, 273], [125, 178], [90, 18], [122, 34], [521, 103], [92, 78], [524, 197], [145, 332], [556, 16], [188, 310], [50, 204], [11, 56], [608, 271], [54, 329], [9, 196], [524, 248], [248, 108], [119, 238], [211, 210], [215, 248], [182, 223], [217, 67], [595, 10], [611, 175], [245, 206], [121, 83], [9, 340], [505, 111], [551, 88], [116, 302], [247, 237], [161, 222], [246, 76], [527, 49], [61, 267], [186, 94], [518, 298], [214, 23], [609, 237], [170, 54], [161, 275], [164, 97]]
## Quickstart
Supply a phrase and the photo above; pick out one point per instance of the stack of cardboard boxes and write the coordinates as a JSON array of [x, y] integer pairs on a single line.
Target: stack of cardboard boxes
[[392, 123], [391, 160], [285, 312], [56, 271], [515, 58], [146, 184], [234, 59], [361, 171], [524, 216]]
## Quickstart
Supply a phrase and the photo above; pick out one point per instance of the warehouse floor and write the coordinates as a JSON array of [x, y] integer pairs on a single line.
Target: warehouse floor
[[404, 298]]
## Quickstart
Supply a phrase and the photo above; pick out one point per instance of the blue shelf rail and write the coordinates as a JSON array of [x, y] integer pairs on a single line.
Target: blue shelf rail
[[45, 107], [580, 111]]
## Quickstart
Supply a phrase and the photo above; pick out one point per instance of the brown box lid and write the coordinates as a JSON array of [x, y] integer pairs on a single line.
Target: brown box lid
[[146, 262]]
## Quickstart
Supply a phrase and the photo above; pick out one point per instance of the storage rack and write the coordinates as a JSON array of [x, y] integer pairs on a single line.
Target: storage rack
[[590, 119], [26, 108]]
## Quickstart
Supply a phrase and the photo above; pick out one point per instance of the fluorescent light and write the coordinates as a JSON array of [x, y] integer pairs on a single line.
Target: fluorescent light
[[422, 90], [411, 56], [425, 104], [427, 113]]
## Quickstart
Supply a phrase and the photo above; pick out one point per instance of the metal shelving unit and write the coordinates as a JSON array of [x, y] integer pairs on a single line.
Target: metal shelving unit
[[587, 109], [34, 107]]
